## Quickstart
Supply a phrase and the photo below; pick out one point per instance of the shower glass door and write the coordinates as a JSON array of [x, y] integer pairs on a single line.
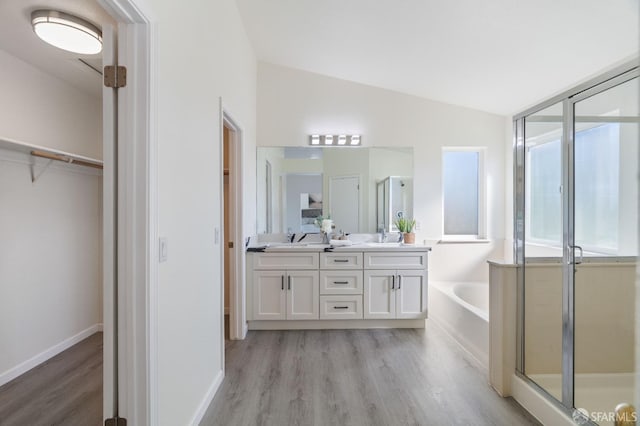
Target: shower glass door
[[543, 132], [605, 140], [576, 244]]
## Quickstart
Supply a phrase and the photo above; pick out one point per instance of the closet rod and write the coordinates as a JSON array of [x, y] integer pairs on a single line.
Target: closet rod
[[65, 159]]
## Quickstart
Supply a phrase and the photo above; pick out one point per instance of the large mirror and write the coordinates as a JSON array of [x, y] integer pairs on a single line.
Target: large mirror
[[361, 189]]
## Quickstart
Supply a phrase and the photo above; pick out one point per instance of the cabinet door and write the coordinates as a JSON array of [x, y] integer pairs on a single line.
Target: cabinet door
[[269, 295], [411, 294], [379, 296], [303, 295]]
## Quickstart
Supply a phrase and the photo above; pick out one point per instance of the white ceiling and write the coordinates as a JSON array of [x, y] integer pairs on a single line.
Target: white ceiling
[[18, 39], [499, 56]]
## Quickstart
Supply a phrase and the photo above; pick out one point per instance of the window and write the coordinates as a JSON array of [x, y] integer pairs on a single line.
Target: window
[[463, 193], [597, 176]]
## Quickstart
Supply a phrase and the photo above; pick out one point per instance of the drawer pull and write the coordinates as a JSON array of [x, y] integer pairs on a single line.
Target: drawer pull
[[289, 281], [341, 260], [282, 285], [340, 307], [341, 282], [393, 282], [399, 281]]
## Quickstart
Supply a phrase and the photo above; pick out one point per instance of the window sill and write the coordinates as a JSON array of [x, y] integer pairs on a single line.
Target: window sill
[[464, 241]]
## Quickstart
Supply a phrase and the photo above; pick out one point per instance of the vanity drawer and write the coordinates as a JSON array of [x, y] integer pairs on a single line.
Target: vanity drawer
[[341, 282], [341, 307], [272, 261], [348, 260], [395, 260]]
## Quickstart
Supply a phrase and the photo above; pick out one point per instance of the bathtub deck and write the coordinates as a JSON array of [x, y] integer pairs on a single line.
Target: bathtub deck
[[357, 377]]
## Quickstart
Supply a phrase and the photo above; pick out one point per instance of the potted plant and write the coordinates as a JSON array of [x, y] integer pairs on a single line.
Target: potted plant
[[406, 227]]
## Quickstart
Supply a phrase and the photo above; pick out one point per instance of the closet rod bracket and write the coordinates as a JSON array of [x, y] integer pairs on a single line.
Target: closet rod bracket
[[34, 176]]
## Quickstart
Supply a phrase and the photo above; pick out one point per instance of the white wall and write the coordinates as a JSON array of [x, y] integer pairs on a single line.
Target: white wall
[[50, 259], [293, 104], [51, 231], [40, 109], [202, 54]]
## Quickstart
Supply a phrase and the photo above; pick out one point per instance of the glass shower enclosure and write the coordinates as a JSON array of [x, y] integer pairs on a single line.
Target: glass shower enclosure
[[576, 242]]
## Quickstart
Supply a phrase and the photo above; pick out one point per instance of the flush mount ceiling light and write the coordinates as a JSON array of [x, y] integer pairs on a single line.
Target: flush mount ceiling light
[[334, 140], [67, 32]]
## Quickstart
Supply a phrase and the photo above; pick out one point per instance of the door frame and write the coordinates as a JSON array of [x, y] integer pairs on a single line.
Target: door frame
[[237, 289], [137, 218]]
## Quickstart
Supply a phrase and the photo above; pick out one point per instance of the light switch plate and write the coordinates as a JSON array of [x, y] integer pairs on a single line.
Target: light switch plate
[[163, 250], [216, 236]]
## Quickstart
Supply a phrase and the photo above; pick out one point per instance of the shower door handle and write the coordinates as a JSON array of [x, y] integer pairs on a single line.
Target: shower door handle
[[574, 248]]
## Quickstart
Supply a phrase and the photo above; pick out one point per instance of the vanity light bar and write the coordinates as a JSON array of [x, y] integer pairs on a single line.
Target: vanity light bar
[[334, 140]]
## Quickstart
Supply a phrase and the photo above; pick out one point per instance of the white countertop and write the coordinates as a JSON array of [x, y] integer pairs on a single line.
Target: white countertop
[[315, 247]]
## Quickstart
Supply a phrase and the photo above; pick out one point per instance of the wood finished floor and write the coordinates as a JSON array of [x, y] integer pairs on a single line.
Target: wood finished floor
[[356, 377], [65, 390]]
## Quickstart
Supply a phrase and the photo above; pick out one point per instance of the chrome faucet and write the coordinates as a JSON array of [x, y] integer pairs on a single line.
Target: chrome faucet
[[382, 237]]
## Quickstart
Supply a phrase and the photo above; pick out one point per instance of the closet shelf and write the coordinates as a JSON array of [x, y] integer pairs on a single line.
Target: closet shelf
[[51, 154]]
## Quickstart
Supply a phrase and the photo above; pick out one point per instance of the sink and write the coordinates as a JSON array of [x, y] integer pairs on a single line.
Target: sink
[[383, 244], [294, 245]]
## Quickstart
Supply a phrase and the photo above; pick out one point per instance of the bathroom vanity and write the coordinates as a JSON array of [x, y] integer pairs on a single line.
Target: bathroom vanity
[[315, 286]]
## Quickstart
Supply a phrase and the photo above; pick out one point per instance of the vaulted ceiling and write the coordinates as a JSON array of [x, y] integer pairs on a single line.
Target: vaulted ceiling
[[499, 56]]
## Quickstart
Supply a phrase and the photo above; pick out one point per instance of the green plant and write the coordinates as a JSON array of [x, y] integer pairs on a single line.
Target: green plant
[[319, 219], [405, 225]]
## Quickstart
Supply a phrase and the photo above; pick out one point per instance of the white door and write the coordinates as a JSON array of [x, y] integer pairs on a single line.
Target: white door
[[269, 298], [411, 294], [303, 295], [379, 294], [344, 202]]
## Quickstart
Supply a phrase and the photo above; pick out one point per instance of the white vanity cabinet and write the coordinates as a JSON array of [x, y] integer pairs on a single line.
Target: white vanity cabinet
[[339, 289], [286, 294], [395, 293]]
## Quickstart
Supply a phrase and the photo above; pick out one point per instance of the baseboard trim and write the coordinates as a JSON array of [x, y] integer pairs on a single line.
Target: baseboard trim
[[245, 330], [204, 405], [47, 354], [335, 324]]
